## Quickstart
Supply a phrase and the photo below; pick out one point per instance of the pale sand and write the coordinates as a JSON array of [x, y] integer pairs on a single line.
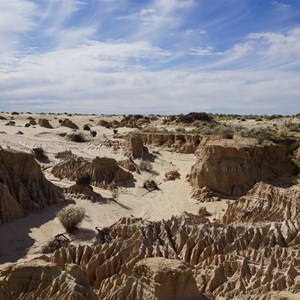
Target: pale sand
[[22, 239]]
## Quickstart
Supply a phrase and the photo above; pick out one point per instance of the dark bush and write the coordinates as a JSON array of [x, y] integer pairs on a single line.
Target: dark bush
[[150, 185], [86, 127], [227, 134], [76, 137], [93, 133]]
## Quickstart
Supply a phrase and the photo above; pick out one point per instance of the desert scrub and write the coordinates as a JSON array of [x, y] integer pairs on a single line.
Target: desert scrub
[[76, 137], [150, 185], [146, 166], [71, 216], [115, 193]]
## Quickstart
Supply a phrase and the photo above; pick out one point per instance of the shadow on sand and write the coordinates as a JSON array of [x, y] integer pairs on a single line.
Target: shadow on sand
[[15, 236]]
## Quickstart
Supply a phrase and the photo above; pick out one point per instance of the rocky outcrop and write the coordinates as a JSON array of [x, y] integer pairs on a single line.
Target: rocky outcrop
[[105, 172], [265, 203], [186, 257], [182, 143], [104, 123], [233, 261], [32, 121], [159, 278], [134, 146], [42, 280], [232, 169], [83, 191], [23, 186], [44, 123], [65, 155], [69, 123]]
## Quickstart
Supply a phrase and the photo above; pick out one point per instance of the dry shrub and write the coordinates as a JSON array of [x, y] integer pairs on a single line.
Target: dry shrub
[[146, 166], [150, 185], [71, 216]]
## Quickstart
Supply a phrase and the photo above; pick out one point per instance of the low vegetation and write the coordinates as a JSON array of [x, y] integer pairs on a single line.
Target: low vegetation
[[71, 216], [150, 185]]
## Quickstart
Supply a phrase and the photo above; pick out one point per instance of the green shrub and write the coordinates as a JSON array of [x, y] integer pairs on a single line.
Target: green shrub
[[71, 216]]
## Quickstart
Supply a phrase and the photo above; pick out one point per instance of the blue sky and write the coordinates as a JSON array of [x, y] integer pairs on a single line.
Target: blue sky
[[167, 56]]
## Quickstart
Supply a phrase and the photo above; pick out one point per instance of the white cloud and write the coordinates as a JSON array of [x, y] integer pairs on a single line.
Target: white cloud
[[58, 12], [158, 18], [277, 49], [157, 92], [200, 51], [84, 73], [260, 51], [280, 5], [16, 18], [100, 77]]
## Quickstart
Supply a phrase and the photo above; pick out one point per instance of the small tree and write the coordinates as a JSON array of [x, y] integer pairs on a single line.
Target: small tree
[[71, 216]]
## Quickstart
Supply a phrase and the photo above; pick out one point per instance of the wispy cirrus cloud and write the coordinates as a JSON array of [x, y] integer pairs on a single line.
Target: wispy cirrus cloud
[[17, 17], [281, 5]]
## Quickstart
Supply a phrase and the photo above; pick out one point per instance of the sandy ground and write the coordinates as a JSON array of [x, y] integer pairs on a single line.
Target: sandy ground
[[22, 238]]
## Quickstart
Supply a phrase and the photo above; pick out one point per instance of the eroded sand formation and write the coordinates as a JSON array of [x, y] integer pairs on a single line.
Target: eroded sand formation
[[23, 187], [247, 249], [104, 171], [232, 167]]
